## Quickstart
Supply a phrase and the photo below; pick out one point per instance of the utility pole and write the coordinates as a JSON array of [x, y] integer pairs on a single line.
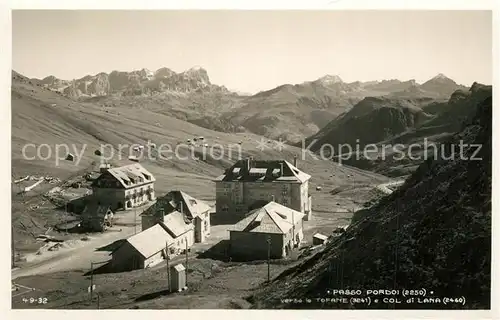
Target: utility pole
[[167, 257], [269, 259], [186, 260], [97, 300], [135, 220], [91, 280], [91, 288]]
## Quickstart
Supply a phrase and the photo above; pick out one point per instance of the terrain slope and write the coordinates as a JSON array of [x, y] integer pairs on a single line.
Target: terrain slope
[[41, 116], [434, 232]]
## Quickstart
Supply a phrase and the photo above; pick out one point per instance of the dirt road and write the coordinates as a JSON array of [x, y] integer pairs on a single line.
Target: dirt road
[[79, 254], [75, 258]]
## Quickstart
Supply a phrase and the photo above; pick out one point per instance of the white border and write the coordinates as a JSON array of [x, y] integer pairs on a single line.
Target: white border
[[256, 5], [5, 79]]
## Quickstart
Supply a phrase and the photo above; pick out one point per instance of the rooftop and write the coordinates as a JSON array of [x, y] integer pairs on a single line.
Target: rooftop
[[271, 218], [131, 175], [151, 240], [264, 170], [174, 223], [191, 207]]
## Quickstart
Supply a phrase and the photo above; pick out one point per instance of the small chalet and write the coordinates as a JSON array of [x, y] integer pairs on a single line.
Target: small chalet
[[149, 247], [193, 211], [142, 250]]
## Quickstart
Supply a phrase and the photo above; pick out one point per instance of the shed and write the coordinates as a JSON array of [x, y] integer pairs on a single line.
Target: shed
[[142, 250], [319, 239], [177, 278], [97, 217]]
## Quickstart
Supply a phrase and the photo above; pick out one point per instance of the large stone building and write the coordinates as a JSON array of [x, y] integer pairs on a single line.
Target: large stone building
[[272, 229], [250, 183], [194, 211], [124, 187]]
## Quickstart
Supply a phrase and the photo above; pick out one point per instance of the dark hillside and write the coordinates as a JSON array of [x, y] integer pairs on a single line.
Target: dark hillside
[[434, 232]]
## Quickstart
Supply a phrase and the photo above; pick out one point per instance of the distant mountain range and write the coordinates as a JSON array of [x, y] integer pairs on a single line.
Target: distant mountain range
[[391, 120], [291, 112], [196, 79], [139, 82]]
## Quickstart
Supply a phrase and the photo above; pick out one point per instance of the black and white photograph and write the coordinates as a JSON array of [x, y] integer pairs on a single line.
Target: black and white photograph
[[251, 159]]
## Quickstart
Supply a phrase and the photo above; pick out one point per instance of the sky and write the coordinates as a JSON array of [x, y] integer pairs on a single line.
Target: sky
[[251, 51]]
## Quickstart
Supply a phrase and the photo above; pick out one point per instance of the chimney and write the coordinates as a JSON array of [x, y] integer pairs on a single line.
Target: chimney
[[281, 169], [182, 208], [272, 198], [162, 214], [295, 161], [249, 163]]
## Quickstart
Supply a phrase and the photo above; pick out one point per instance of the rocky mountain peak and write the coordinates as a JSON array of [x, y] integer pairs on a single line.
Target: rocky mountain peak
[[330, 79], [441, 78]]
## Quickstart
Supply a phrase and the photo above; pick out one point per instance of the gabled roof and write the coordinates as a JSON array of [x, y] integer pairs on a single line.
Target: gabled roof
[[150, 241], [131, 175], [175, 223], [271, 218], [265, 171], [191, 207], [194, 206]]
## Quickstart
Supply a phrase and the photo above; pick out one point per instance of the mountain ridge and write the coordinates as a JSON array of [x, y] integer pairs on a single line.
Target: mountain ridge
[[200, 75], [291, 112]]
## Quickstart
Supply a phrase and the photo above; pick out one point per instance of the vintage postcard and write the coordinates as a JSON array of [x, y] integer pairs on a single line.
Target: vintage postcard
[[251, 159]]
